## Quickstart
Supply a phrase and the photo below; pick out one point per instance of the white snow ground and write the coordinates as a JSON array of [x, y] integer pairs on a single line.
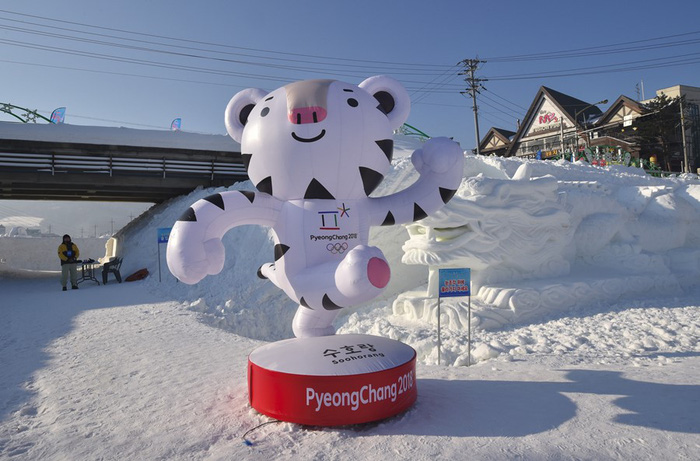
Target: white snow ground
[[157, 370], [126, 372]]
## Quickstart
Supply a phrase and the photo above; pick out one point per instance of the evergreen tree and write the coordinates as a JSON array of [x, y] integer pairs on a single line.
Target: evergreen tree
[[659, 130]]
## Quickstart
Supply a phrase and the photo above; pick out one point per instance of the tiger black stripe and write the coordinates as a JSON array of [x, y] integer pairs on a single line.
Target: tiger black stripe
[[280, 250], [188, 215], [370, 179], [418, 213], [328, 304], [216, 199], [303, 302], [387, 146], [316, 190], [249, 195], [389, 220], [386, 101], [260, 274], [447, 194], [246, 160], [265, 185]]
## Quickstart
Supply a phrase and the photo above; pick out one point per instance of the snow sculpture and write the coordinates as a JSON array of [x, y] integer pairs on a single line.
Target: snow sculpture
[[315, 151], [504, 230], [537, 243]]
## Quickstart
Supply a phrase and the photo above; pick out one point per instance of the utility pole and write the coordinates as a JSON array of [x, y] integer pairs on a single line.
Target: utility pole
[[685, 147], [640, 90], [561, 135], [470, 67]]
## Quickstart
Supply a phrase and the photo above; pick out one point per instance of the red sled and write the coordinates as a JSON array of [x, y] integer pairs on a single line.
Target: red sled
[[138, 275]]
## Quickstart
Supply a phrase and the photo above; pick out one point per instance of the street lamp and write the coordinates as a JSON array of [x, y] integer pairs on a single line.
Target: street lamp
[[604, 101]]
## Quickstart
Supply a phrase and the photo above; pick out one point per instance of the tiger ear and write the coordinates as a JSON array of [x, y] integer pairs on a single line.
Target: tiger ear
[[238, 110], [392, 98]]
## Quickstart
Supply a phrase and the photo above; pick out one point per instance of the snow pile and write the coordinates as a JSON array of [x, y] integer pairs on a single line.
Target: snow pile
[[642, 332], [542, 239], [40, 253], [544, 236]]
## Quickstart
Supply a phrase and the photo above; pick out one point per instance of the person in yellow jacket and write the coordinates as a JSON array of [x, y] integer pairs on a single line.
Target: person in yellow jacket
[[68, 253]]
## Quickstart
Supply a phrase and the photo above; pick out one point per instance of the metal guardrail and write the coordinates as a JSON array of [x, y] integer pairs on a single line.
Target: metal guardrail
[[118, 165], [664, 173]]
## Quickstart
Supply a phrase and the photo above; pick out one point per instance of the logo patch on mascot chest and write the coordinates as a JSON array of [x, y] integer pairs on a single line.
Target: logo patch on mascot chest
[[331, 226]]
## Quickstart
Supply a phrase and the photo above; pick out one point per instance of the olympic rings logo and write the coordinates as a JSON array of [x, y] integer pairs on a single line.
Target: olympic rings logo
[[337, 248]]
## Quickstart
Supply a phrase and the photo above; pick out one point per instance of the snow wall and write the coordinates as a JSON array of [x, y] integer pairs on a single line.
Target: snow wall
[[40, 253], [539, 236]]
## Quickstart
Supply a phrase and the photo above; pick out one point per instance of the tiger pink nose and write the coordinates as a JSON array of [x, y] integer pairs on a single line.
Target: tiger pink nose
[[313, 114], [378, 272]]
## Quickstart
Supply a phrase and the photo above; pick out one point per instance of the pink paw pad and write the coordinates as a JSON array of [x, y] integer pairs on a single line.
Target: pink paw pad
[[378, 272]]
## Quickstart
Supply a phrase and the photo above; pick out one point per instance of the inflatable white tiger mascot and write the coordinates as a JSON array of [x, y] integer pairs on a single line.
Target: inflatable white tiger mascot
[[315, 150]]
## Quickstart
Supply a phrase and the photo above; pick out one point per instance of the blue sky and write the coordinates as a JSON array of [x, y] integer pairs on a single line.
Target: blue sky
[[193, 56]]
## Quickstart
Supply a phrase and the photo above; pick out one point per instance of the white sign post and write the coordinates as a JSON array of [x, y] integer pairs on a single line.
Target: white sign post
[[453, 283]]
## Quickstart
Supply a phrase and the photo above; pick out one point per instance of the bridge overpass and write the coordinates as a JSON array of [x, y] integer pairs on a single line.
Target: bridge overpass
[[71, 162]]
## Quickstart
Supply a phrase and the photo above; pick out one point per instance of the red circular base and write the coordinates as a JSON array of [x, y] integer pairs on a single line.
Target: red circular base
[[332, 380]]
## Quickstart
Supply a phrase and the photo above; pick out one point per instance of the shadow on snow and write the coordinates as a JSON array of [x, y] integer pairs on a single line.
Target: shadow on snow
[[34, 313], [484, 408]]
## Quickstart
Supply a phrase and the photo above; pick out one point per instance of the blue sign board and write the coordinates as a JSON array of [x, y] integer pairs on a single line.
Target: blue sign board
[[164, 234], [454, 282]]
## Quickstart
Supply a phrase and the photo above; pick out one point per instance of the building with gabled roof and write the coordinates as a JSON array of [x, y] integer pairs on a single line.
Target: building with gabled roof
[[615, 126], [496, 141], [623, 111], [553, 121]]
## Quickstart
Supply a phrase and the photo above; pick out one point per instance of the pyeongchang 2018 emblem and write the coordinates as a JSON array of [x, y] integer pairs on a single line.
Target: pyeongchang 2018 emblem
[[330, 220], [337, 243]]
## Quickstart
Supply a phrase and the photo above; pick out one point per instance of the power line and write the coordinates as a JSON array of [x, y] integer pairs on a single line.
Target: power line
[[183, 50], [495, 119], [348, 61], [576, 52], [680, 60], [172, 66], [518, 106], [502, 108], [121, 74], [353, 68], [142, 62], [444, 78], [421, 103], [599, 50], [424, 89]]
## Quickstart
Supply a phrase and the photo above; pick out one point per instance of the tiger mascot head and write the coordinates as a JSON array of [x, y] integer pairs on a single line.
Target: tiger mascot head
[[318, 139]]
